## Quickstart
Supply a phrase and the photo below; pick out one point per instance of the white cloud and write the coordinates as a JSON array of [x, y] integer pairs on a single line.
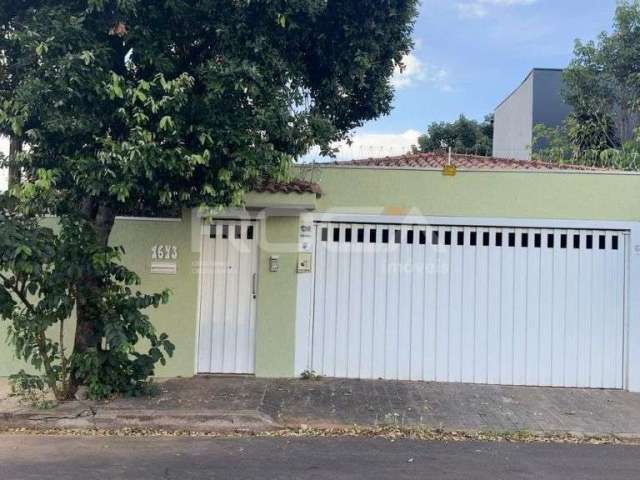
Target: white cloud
[[439, 76], [416, 72], [480, 8], [471, 10], [371, 145]]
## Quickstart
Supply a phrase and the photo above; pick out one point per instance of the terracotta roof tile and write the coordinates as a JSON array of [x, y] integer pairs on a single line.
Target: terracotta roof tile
[[438, 160], [291, 186]]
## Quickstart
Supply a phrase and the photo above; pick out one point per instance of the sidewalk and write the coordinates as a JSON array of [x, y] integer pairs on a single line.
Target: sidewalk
[[211, 403]]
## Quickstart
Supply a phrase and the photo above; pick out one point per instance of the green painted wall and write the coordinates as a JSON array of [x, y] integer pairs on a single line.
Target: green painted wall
[[277, 298], [178, 317], [276, 292], [348, 190], [484, 194], [280, 200]]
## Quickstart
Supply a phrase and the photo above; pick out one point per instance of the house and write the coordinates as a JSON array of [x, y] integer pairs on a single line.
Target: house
[[508, 272], [538, 100]]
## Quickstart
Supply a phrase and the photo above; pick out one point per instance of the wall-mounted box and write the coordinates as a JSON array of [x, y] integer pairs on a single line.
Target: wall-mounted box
[[274, 263], [304, 262]]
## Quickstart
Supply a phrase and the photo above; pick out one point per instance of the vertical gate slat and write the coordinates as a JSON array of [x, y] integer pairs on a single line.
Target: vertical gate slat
[[391, 313], [404, 318], [507, 309], [482, 326], [341, 357], [494, 311], [206, 302], [468, 308], [319, 303], [456, 275], [519, 356], [355, 319], [532, 325], [443, 310], [367, 306], [430, 305], [546, 281], [380, 294], [419, 321]]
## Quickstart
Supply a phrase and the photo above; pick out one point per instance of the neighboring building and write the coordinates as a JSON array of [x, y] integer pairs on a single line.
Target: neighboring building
[[509, 272], [538, 100]]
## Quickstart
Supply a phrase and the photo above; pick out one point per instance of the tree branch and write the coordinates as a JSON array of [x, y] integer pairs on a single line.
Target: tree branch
[[20, 293], [41, 340]]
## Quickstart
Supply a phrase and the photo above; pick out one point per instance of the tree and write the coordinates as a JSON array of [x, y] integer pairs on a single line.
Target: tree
[[463, 136], [558, 145], [12, 58], [143, 104], [603, 84], [41, 275]]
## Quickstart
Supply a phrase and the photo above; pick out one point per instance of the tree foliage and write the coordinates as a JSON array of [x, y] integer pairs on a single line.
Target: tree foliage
[[559, 147], [603, 82], [12, 62], [40, 287], [603, 89], [137, 105], [191, 101], [463, 136]]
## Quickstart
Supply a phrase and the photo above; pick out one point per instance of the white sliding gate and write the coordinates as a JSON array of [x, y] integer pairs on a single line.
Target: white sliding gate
[[228, 276], [515, 306]]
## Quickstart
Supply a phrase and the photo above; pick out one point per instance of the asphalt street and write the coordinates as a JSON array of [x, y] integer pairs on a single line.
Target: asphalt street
[[71, 458]]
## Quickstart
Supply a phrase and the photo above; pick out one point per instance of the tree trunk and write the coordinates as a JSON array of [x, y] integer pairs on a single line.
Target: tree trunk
[[105, 218], [15, 147], [88, 336]]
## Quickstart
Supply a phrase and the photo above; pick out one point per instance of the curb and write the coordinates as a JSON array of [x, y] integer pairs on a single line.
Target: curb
[[88, 418], [304, 431], [197, 421]]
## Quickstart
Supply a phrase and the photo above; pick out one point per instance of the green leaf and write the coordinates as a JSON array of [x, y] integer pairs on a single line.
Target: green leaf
[[23, 250], [41, 49], [166, 123], [87, 57], [116, 85]]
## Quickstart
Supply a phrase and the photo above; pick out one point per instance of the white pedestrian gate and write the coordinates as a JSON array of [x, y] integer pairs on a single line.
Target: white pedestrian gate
[[228, 276], [515, 306]]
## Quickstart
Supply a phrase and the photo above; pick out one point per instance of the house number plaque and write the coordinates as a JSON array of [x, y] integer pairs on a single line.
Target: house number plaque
[[164, 259], [164, 252]]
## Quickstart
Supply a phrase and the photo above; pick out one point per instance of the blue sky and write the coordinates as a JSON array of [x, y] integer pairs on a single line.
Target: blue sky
[[470, 54]]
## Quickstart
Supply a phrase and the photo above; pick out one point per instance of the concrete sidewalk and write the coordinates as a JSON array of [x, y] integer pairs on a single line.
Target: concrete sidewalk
[[210, 403], [148, 413]]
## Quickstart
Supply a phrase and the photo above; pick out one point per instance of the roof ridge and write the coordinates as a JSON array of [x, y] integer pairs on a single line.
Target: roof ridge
[[438, 159], [293, 185]]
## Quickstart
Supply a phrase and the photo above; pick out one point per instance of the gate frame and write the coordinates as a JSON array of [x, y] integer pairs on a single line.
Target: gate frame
[[631, 307], [199, 223]]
